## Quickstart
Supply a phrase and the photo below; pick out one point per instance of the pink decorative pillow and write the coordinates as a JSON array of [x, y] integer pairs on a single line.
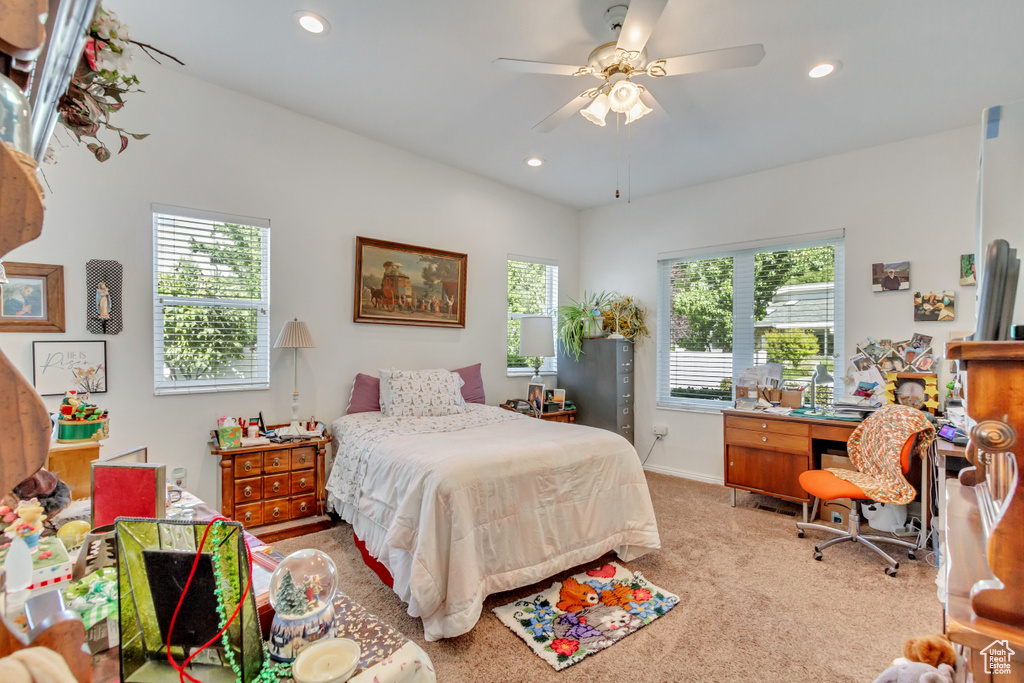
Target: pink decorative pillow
[[365, 396], [473, 389]]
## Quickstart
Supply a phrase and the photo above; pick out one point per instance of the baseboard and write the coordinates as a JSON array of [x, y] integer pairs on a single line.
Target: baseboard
[[673, 472]]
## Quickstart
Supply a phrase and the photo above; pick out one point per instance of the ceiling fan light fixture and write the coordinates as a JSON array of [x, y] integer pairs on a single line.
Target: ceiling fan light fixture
[[623, 96], [598, 109], [639, 111]]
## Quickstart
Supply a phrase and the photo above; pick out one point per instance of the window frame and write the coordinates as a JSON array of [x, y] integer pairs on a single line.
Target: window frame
[[550, 365], [261, 379], [744, 326]]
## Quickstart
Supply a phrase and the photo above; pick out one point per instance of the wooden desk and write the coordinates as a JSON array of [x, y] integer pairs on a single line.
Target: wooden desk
[[71, 462]]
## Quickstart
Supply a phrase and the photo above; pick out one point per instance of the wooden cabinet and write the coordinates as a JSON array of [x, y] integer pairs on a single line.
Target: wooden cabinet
[[560, 416], [767, 453], [275, 490]]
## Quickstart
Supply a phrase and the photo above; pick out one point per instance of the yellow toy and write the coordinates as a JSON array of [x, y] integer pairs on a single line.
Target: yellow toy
[[29, 521], [73, 533]]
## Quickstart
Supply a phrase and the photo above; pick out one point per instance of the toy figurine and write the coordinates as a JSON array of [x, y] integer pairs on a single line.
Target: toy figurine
[[102, 301], [29, 521]]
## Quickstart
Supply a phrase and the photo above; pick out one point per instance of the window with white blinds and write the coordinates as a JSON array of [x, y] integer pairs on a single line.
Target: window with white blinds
[[720, 313], [211, 301], [532, 290]]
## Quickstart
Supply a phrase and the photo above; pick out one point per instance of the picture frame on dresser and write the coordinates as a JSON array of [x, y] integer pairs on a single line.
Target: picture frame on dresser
[[32, 298]]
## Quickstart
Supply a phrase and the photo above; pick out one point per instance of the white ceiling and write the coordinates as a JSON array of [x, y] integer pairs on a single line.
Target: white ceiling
[[417, 74]]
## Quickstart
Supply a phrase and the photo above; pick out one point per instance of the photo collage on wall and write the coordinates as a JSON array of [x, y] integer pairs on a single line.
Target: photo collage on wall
[[929, 306]]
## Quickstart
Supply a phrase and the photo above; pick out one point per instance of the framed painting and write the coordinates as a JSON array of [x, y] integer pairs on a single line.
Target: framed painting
[[32, 298], [60, 366], [401, 284]]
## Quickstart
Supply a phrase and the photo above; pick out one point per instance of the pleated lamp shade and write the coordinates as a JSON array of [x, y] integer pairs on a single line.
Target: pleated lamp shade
[[294, 335]]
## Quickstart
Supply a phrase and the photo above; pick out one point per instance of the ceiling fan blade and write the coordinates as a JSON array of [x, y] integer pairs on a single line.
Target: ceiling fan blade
[[530, 67], [560, 116], [713, 60], [640, 21]]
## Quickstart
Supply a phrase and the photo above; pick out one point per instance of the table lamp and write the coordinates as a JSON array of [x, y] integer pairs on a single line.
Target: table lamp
[[295, 335], [820, 375], [537, 341]]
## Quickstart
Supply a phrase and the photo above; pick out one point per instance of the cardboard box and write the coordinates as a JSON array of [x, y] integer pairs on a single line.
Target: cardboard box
[[835, 511], [792, 398]]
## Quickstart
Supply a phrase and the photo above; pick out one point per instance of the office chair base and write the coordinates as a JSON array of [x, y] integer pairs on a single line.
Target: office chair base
[[853, 535]]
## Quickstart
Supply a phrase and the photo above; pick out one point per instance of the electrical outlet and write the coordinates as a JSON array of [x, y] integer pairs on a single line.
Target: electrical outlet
[[660, 430], [178, 475]]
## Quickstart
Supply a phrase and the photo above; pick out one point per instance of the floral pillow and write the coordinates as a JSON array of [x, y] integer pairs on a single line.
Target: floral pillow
[[419, 393]]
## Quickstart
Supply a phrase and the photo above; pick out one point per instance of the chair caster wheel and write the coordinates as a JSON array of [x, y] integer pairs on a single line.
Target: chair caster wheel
[[800, 533], [891, 571], [817, 555], [911, 555]]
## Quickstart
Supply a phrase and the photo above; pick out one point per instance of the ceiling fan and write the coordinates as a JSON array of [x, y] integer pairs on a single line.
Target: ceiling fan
[[617, 63]]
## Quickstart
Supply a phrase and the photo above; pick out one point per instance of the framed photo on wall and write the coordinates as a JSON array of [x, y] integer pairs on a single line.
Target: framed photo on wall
[[401, 284], [59, 366], [32, 298]]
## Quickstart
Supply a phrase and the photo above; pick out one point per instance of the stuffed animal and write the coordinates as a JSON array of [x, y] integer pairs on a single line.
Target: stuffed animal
[[52, 493], [935, 649], [574, 596], [906, 671]]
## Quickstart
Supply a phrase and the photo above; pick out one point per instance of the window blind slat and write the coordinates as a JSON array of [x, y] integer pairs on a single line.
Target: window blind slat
[[211, 295]]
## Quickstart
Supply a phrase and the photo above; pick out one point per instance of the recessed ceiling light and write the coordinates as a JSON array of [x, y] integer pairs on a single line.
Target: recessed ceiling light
[[535, 162], [312, 22], [824, 69]]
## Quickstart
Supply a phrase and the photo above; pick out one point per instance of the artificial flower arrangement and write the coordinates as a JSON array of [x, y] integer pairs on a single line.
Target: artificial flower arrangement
[[100, 82]]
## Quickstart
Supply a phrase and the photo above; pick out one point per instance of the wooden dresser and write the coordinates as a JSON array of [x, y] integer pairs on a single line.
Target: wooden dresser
[[275, 490]]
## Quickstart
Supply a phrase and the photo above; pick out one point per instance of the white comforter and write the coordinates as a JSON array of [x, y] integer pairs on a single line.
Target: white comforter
[[463, 506]]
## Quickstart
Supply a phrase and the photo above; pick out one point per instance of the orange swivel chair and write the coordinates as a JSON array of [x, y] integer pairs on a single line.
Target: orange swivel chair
[[824, 485]]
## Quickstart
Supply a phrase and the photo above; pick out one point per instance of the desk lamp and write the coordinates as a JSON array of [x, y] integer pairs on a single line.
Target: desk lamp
[[820, 375], [536, 340], [295, 335]]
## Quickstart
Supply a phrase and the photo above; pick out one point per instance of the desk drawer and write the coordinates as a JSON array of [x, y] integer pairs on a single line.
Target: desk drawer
[[771, 472], [303, 458], [773, 426], [767, 440], [249, 464], [250, 514], [303, 482], [276, 511], [276, 461], [248, 490], [275, 485]]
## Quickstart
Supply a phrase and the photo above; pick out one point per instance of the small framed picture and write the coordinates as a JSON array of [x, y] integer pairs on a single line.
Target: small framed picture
[[939, 306], [59, 366], [559, 398], [914, 389], [535, 395], [890, 277], [32, 298]]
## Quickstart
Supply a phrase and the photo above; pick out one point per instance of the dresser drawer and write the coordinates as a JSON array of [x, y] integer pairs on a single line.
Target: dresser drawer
[[767, 440], [276, 511], [249, 464], [303, 458], [248, 490], [276, 461], [275, 485], [250, 514], [774, 426], [303, 482], [303, 506]]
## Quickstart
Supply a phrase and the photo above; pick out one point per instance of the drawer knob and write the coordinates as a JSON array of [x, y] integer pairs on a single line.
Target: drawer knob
[[764, 438], [247, 492], [302, 483], [764, 425], [625, 380], [730, 464], [303, 506], [248, 465], [277, 486], [302, 458], [626, 395], [277, 512], [248, 516], [277, 462]]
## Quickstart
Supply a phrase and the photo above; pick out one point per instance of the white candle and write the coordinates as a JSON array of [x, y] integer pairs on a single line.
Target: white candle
[[326, 661]]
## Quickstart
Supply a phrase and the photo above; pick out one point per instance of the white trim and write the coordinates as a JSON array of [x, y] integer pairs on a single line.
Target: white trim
[[717, 249], [532, 259], [216, 217], [684, 474]]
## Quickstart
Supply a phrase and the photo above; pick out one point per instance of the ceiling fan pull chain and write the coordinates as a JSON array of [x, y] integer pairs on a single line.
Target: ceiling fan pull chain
[[629, 164], [616, 156]]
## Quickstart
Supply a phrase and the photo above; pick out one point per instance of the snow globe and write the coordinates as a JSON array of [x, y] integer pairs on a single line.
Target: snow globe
[[302, 590]]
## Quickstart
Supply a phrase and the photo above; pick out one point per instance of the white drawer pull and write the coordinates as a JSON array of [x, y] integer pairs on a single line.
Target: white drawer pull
[[764, 438], [764, 425], [626, 395]]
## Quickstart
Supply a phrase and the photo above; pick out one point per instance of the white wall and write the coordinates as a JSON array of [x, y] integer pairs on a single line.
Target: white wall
[[911, 200], [320, 186]]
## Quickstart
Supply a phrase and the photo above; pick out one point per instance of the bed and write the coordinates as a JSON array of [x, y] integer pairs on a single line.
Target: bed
[[458, 507]]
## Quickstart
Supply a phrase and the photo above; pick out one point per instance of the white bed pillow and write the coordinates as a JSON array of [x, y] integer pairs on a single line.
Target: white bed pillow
[[419, 393]]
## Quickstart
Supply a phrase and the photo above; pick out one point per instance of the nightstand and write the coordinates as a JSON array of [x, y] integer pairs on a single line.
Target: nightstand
[[560, 416], [275, 490]]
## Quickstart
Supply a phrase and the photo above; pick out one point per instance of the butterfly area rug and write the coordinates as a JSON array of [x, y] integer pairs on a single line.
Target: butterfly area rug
[[585, 614]]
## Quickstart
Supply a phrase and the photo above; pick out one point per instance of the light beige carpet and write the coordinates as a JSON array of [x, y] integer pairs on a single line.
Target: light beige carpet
[[754, 605]]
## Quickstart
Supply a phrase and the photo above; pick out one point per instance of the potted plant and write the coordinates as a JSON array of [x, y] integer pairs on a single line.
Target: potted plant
[[578, 321]]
